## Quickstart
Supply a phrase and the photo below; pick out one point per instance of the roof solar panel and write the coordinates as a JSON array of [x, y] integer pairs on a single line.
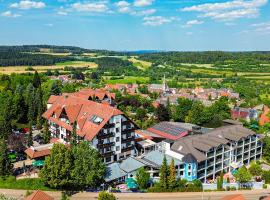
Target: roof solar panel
[[169, 128]]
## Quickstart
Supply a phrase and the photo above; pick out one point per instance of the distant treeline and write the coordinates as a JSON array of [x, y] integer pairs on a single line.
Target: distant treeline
[[207, 57], [16, 58]]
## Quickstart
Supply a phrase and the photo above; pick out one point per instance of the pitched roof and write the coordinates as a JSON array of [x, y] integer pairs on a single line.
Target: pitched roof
[[198, 145], [39, 195], [40, 151], [83, 111]]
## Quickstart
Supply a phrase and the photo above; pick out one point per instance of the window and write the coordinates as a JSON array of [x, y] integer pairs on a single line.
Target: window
[[117, 148], [189, 173], [117, 139], [181, 173], [117, 130], [189, 166], [108, 159], [95, 119]]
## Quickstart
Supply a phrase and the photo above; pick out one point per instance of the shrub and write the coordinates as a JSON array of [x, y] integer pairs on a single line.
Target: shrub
[[266, 176], [228, 188], [106, 196], [232, 188], [28, 193], [264, 186]]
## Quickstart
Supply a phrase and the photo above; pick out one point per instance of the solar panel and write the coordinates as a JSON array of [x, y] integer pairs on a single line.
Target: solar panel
[[169, 128]]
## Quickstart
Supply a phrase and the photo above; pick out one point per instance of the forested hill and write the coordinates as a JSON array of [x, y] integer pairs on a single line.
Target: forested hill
[[207, 57]]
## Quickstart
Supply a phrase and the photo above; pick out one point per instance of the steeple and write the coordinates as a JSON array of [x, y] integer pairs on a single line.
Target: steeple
[[165, 86]]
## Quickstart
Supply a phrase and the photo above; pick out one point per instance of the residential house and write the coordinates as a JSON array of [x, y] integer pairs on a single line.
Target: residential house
[[247, 114]]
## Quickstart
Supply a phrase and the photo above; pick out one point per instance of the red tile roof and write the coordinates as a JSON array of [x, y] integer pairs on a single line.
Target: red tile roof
[[80, 110], [37, 154], [39, 195], [264, 116]]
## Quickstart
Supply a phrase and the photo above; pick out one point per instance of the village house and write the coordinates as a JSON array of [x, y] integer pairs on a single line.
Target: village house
[[246, 114], [106, 128]]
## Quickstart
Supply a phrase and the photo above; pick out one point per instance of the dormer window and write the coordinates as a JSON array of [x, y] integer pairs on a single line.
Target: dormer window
[[96, 120]]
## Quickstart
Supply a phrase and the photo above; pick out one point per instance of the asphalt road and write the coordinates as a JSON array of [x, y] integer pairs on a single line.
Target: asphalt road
[[249, 195]]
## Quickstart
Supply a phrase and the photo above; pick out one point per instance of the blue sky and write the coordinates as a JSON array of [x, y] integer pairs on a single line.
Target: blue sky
[[185, 25]]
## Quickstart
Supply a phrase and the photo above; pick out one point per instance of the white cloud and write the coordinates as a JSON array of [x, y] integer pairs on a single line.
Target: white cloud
[[193, 22], [145, 12], [10, 14], [230, 10], [90, 7], [142, 3], [189, 33], [27, 4], [156, 20], [123, 6]]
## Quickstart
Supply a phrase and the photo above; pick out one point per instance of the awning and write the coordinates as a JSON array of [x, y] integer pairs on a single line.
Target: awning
[[146, 143]]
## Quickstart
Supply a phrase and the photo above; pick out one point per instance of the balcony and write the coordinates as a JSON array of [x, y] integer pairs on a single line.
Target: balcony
[[128, 131], [107, 135], [109, 125], [129, 148], [106, 145], [129, 139], [108, 153]]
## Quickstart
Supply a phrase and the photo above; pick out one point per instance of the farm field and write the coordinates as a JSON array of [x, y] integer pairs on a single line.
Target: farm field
[[140, 64], [59, 66]]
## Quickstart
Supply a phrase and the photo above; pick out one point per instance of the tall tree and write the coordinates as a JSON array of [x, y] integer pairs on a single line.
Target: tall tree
[[55, 89], [89, 168], [5, 166], [164, 172], [57, 168], [5, 120], [39, 105], [172, 176], [30, 135], [46, 133], [255, 169], [36, 80], [162, 113], [195, 113], [142, 178]]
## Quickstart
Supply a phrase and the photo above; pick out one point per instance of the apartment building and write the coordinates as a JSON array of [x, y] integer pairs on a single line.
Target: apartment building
[[106, 128], [202, 154], [225, 149]]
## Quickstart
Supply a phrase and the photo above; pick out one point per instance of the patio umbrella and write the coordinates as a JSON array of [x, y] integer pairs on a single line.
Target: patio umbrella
[[38, 163], [131, 183]]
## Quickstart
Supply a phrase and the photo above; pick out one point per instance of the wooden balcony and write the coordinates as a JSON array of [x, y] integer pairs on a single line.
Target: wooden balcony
[[129, 148], [129, 139], [103, 136], [106, 145]]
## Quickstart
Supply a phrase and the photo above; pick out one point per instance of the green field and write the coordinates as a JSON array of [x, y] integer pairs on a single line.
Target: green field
[[78, 64], [126, 80]]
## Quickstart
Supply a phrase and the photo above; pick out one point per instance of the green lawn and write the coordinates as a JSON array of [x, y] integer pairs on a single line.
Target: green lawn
[[23, 184]]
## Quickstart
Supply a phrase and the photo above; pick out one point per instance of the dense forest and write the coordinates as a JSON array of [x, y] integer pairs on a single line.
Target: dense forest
[[207, 57]]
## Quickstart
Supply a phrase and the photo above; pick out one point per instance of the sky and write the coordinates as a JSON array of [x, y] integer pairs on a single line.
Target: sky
[[181, 25]]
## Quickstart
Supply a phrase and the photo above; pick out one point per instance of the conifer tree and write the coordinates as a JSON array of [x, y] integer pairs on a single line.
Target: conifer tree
[[30, 135], [172, 176], [46, 134], [5, 165], [164, 174]]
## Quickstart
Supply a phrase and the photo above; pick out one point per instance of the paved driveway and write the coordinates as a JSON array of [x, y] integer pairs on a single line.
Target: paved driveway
[[249, 195]]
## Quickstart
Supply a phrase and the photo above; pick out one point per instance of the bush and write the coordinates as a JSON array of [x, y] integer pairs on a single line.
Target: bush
[[106, 196], [3, 197], [232, 188], [266, 176], [264, 186]]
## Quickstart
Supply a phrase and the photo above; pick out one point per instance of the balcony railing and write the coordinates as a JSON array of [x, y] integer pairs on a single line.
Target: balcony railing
[[106, 145], [129, 148], [107, 135], [129, 139]]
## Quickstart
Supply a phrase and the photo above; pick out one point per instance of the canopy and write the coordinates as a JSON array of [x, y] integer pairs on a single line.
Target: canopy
[[38, 163]]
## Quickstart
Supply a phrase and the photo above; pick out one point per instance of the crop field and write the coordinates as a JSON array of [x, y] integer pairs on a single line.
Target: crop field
[[59, 66], [140, 64]]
